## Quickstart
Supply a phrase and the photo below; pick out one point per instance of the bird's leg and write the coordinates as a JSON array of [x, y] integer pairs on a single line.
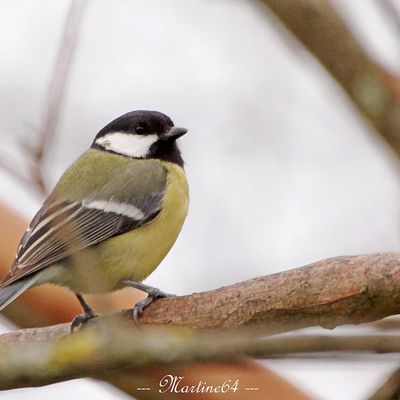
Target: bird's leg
[[88, 313], [153, 294]]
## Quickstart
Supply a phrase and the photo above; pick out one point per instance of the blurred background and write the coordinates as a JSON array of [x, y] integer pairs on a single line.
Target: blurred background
[[283, 171]]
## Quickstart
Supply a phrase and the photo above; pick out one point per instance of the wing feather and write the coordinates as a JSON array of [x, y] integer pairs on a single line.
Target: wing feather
[[63, 227]]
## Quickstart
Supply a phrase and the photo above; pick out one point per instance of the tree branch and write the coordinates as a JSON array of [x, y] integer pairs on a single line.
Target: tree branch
[[101, 350], [390, 389], [329, 293], [54, 101], [373, 90], [33, 309], [56, 91]]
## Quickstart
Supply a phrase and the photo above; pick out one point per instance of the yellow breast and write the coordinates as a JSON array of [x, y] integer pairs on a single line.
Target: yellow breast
[[133, 255]]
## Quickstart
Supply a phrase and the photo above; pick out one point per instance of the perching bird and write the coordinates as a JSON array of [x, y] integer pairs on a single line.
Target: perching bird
[[112, 217]]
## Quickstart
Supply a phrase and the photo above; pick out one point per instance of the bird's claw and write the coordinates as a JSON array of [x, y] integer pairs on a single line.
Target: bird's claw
[[153, 295], [82, 319]]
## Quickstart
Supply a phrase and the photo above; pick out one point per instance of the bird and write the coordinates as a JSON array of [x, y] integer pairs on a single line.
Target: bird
[[111, 218]]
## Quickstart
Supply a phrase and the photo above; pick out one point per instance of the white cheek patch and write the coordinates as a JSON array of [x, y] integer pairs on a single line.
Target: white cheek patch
[[127, 144]]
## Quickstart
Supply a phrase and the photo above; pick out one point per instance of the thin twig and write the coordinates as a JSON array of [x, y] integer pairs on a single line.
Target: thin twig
[[53, 104], [57, 91]]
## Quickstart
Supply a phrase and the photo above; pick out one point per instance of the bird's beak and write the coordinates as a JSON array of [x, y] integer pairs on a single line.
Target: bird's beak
[[174, 133]]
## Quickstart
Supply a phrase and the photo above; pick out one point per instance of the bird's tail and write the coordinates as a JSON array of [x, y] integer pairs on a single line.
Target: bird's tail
[[13, 290]]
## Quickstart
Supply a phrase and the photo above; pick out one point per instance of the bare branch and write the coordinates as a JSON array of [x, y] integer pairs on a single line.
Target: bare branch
[[329, 293], [387, 324], [390, 390], [57, 90], [373, 90], [102, 348], [54, 102]]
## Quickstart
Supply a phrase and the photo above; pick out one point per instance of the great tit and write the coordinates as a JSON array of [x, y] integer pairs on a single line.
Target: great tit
[[111, 218]]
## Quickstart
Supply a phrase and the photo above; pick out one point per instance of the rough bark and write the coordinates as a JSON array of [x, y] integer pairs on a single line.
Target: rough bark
[[328, 293]]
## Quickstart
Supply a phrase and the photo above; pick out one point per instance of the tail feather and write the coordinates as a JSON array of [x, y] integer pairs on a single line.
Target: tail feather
[[13, 290]]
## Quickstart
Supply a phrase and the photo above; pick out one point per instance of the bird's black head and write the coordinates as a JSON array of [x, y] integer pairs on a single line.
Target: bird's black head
[[141, 134]]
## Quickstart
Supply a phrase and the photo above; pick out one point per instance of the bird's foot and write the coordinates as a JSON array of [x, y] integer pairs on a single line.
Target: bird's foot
[[82, 319], [88, 313], [153, 294]]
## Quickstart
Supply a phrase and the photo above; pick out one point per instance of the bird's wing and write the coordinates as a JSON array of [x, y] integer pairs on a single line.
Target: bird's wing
[[129, 197]]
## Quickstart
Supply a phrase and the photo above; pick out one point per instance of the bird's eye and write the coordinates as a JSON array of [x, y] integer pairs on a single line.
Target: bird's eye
[[140, 130]]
